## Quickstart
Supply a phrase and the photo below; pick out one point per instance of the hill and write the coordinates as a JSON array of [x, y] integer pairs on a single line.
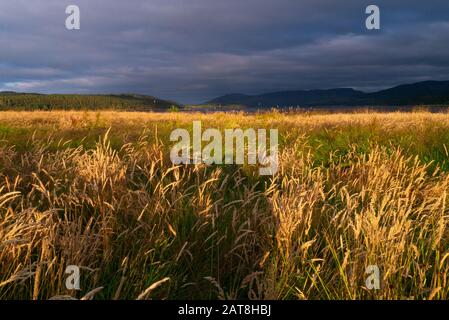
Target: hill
[[31, 101], [428, 92]]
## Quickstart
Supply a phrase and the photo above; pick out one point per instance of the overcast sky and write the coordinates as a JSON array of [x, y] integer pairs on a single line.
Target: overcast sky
[[194, 50]]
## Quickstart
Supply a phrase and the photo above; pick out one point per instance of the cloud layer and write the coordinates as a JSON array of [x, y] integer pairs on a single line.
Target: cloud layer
[[193, 50]]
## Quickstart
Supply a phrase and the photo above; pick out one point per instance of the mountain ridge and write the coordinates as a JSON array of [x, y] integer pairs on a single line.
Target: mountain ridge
[[425, 92]]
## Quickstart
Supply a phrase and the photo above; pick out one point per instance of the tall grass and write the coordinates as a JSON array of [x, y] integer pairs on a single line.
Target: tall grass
[[140, 227]]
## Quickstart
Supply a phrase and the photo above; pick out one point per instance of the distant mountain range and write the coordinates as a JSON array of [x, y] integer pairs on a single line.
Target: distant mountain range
[[427, 92], [431, 93]]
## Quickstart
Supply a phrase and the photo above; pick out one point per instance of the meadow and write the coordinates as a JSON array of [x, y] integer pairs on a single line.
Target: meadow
[[97, 189]]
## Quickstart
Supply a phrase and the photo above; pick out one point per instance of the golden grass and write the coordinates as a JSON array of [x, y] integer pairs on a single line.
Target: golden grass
[[69, 119], [140, 227]]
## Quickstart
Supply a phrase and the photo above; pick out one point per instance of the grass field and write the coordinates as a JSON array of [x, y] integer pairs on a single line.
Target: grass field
[[98, 190]]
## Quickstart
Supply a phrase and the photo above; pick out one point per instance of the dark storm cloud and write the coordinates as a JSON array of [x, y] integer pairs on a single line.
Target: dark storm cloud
[[193, 50]]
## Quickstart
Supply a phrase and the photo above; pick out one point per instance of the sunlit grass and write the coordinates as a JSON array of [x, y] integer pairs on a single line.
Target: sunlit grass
[[353, 190]]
